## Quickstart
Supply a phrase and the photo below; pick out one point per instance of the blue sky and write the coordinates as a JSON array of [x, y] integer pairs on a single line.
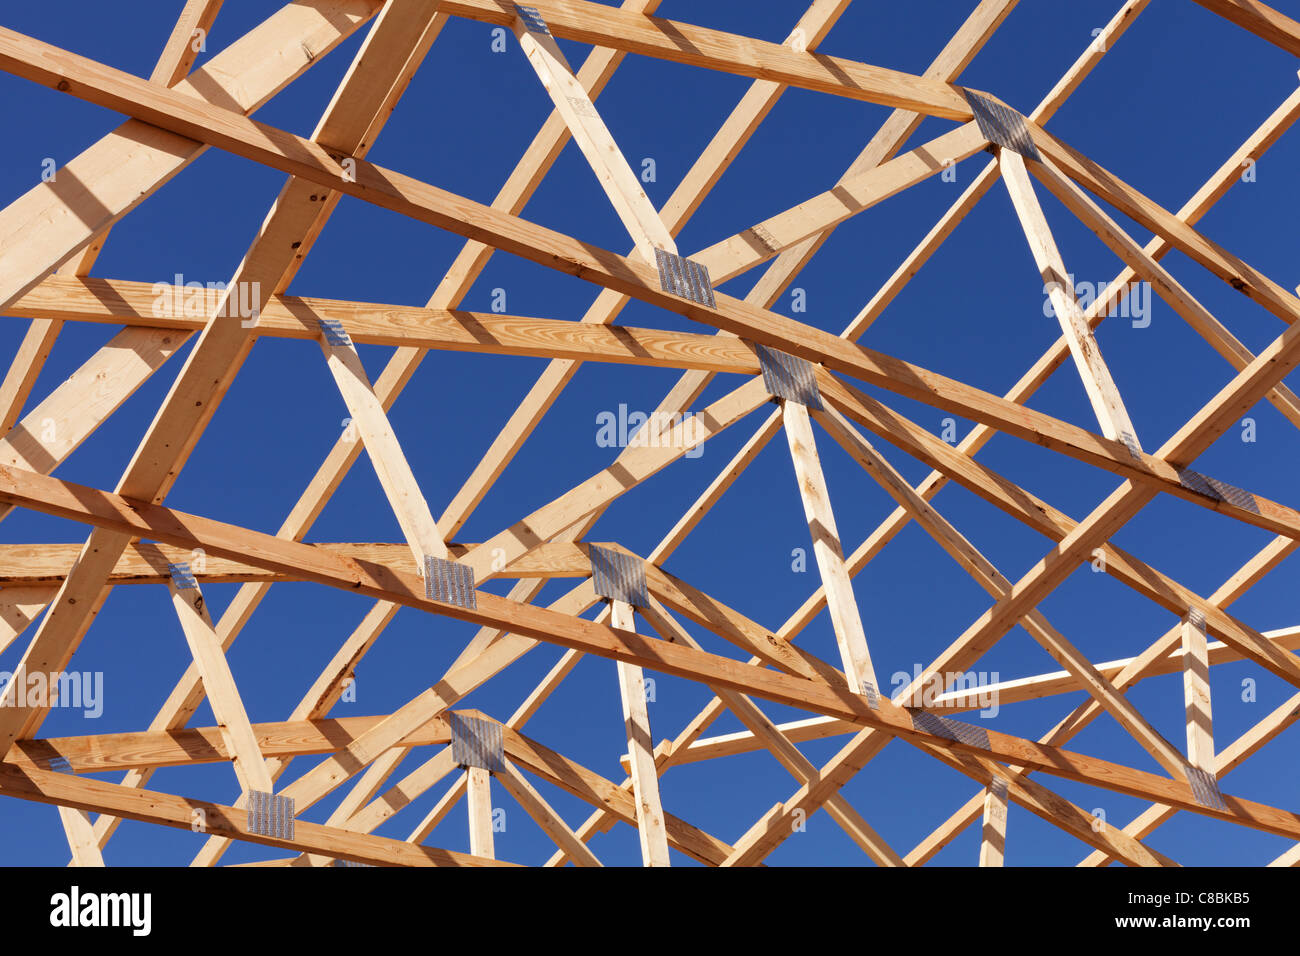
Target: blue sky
[[1173, 99]]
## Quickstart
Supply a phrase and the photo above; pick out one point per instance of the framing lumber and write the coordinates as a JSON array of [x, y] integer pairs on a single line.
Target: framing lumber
[[1107, 404], [846, 619], [993, 841], [62, 789], [136, 159], [640, 744], [155, 521], [593, 138], [377, 73], [479, 801], [535, 806], [1196, 693], [50, 239], [220, 688], [678, 42]]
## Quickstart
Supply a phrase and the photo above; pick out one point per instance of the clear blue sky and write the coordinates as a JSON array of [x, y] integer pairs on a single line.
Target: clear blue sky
[[1175, 97]]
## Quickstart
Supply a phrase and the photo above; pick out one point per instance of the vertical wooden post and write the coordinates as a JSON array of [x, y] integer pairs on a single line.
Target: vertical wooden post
[[479, 799], [645, 778], [841, 603], [1196, 692], [994, 841]]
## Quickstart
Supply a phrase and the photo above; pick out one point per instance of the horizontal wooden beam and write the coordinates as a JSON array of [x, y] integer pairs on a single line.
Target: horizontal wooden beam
[[166, 306], [145, 562], [978, 697], [194, 745], [606, 26], [308, 160], [104, 509], [186, 813]]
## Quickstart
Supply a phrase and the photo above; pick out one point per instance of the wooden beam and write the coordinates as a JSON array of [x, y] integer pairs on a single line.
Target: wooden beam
[[188, 746], [1196, 693], [387, 57], [474, 255], [592, 137], [993, 842], [640, 744], [146, 520], [731, 625], [635, 465], [133, 303], [386, 455], [1290, 858], [782, 748], [21, 377], [365, 788], [81, 837], [1039, 514], [1234, 755], [460, 679], [145, 562], [550, 821], [846, 620], [44, 786], [1213, 189], [852, 195], [690, 192], [1201, 202], [187, 38], [964, 699], [479, 799], [996, 584], [1107, 404], [597, 24], [1133, 671], [220, 688], [1151, 215], [126, 166], [385, 188], [439, 811], [1166, 286], [369, 817], [772, 829], [589, 786], [976, 30], [55, 428]]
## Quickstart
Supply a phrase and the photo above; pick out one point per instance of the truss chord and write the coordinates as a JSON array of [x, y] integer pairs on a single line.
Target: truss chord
[[794, 363]]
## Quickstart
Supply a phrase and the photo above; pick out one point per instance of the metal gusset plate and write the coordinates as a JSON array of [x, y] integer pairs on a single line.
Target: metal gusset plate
[[685, 278], [270, 814], [1205, 788], [789, 377], [1002, 125], [1218, 490], [476, 743], [949, 729], [619, 576], [449, 582]]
